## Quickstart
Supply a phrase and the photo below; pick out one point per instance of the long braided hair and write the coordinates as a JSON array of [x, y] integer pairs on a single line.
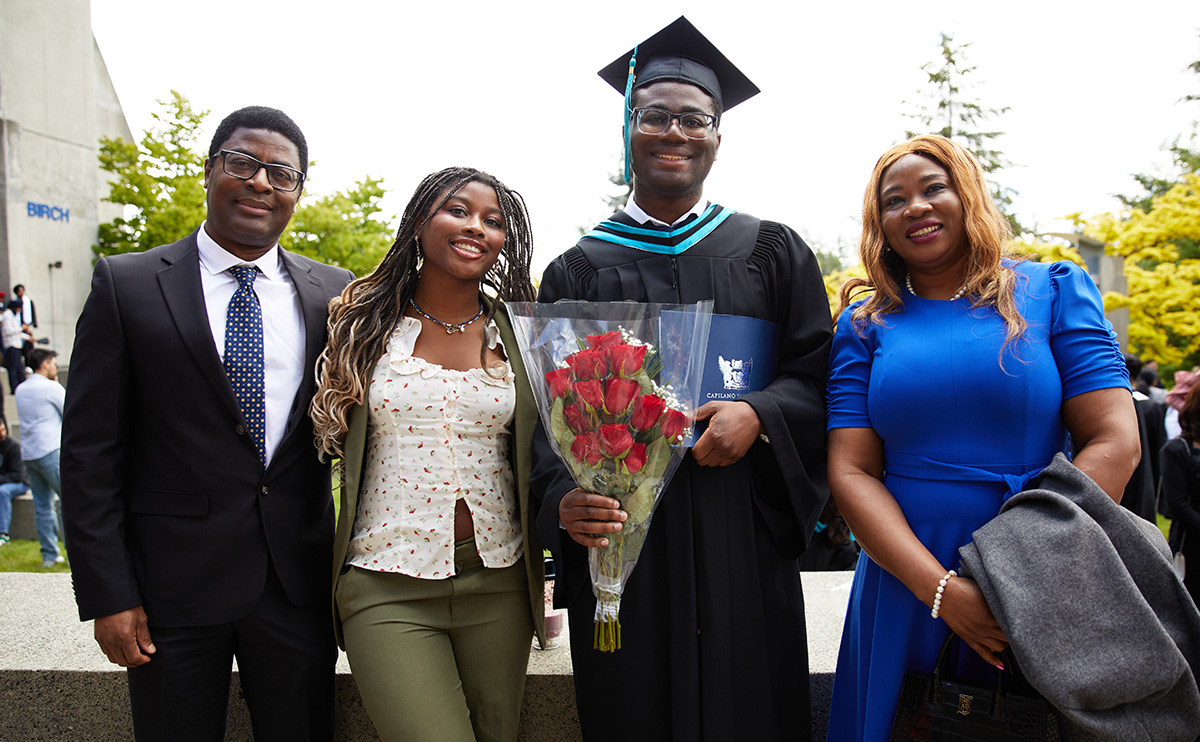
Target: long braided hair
[[362, 319]]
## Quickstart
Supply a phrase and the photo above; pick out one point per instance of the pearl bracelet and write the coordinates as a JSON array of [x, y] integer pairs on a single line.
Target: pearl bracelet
[[937, 599]]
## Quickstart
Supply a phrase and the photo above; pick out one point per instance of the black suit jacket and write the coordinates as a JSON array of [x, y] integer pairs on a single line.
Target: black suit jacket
[[165, 501]]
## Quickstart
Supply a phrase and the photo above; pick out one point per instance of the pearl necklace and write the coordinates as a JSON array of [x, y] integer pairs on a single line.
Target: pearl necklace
[[451, 327], [908, 285]]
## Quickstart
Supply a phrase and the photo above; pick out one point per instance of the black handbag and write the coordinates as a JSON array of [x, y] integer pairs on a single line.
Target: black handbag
[[936, 707]]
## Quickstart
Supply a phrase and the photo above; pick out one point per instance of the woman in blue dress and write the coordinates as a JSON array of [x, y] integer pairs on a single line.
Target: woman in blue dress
[[951, 386]]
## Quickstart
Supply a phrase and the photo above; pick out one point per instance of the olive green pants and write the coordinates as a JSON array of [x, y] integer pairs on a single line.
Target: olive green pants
[[442, 659]]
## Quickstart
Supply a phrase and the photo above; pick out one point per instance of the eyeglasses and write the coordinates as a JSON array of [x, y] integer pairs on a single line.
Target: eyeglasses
[[657, 121], [245, 167]]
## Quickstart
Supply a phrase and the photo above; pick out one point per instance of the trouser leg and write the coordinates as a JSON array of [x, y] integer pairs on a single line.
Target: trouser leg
[[182, 693], [9, 490], [396, 630], [43, 482], [491, 642], [286, 659]]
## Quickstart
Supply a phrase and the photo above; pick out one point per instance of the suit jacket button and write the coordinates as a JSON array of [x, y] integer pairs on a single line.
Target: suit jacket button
[[265, 491], [241, 429]]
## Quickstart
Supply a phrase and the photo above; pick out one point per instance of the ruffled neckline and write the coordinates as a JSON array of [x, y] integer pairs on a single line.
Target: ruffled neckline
[[402, 361]]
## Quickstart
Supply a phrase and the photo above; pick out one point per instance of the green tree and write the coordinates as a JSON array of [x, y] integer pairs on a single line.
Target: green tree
[[948, 108], [342, 229], [159, 182]]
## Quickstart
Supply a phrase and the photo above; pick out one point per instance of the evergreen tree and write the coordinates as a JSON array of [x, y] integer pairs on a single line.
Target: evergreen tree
[[949, 109]]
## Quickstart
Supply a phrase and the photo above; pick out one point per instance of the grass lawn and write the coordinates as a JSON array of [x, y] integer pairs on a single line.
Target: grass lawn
[[26, 556]]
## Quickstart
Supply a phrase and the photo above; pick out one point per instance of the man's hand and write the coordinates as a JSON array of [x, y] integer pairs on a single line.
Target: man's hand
[[125, 637], [732, 428], [584, 514]]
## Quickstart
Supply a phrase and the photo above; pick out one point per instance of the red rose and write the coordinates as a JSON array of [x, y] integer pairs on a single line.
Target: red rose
[[592, 393], [615, 440], [586, 449], [590, 363], [627, 359], [579, 420], [673, 423], [619, 394], [559, 381], [606, 340], [636, 458], [646, 411]]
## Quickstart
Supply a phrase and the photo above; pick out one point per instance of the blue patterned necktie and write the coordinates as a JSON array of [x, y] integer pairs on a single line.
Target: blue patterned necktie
[[244, 355]]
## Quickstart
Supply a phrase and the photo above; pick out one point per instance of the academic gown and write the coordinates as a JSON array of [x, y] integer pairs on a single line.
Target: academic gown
[[712, 619]]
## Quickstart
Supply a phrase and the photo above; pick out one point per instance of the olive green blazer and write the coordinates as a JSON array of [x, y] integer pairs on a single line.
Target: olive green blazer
[[524, 422]]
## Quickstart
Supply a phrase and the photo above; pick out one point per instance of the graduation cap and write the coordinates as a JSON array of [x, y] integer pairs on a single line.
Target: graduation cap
[[677, 53]]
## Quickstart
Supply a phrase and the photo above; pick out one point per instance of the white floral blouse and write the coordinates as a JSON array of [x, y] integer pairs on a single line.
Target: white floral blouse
[[434, 435]]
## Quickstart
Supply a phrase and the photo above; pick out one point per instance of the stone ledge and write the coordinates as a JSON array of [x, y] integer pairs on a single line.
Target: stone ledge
[[55, 683]]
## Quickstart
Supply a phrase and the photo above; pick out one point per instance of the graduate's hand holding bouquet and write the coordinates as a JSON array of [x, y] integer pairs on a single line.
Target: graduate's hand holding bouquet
[[616, 385]]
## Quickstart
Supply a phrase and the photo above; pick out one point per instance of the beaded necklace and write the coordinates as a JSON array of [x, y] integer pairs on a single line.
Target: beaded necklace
[[451, 327]]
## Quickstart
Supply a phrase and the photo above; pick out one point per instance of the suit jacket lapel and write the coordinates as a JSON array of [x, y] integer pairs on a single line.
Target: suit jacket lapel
[[179, 280]]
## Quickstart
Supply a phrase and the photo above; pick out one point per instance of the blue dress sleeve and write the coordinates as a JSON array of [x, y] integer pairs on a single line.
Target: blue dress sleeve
[[1082, 340], [849, 375]]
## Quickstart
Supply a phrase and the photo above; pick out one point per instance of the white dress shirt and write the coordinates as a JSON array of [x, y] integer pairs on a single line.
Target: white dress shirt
[[639, 215], [282, 319]]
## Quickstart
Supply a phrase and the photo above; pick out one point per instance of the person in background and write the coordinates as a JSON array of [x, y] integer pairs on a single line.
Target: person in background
[[14, 341], [28, 319], [1184, 381], [14, 481], [40, 409], [1141, 493], [915, 473], [437, 570], [1181, 488]]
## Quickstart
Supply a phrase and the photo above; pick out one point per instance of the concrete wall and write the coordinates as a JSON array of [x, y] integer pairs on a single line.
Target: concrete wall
[[55, 683], [56, 101]]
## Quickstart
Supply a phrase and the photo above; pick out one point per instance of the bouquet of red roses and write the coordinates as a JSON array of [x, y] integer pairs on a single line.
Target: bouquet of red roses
[[616, 385]]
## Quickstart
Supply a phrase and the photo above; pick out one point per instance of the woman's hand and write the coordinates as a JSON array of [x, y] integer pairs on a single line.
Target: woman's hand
[[967, 614], [587, 517]]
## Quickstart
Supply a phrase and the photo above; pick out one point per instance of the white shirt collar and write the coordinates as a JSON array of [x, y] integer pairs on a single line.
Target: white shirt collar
[[216, 259], [639, 215]]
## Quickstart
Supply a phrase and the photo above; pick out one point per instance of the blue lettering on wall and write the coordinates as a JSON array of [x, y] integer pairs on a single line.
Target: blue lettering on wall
[[46, 211]]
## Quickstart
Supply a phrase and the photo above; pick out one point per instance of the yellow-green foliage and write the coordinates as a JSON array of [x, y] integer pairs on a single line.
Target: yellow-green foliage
[[1164, 289]]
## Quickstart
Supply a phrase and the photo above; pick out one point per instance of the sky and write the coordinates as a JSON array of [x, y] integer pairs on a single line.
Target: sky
[[396, 90]]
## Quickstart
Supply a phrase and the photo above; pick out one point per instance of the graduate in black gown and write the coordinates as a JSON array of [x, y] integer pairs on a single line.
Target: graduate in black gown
[[712, 619]]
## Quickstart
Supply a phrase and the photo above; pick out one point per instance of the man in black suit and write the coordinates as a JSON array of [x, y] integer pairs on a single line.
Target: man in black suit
[[200, 518]]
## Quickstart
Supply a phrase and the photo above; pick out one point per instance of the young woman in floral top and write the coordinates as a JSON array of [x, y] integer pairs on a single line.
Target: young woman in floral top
[[422, 395]]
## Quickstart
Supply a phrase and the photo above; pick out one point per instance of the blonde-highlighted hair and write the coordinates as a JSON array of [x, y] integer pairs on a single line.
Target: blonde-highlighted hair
[[986, 281], [362, 319]]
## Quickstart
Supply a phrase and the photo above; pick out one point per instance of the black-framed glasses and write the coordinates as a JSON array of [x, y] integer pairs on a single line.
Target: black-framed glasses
[[693, 124], [245, 167]]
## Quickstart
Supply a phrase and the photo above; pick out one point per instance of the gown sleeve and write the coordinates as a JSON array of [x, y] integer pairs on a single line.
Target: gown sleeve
[[1081, 339], [849, 375], [792, 407]]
